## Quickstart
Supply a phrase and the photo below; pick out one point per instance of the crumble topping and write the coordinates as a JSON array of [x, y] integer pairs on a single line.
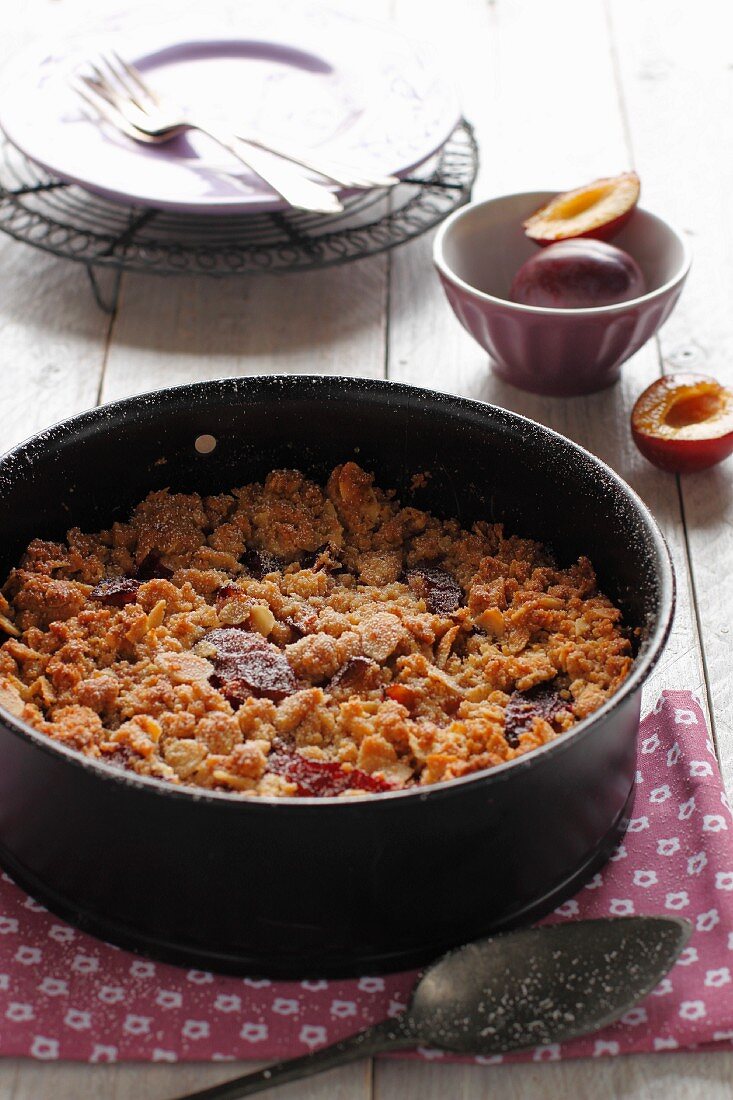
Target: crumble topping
[[287, 639]]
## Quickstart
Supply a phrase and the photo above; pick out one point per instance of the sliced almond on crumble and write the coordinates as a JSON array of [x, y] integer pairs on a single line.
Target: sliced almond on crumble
[[491, 621], [184, 755], [8, 627], [138, 630], [445, 645], [262, 619], [156, 616], [10, 699], [380, 635], [185, 668]]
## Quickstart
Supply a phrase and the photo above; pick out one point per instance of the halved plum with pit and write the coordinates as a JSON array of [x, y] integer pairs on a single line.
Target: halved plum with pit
[[684, 422]]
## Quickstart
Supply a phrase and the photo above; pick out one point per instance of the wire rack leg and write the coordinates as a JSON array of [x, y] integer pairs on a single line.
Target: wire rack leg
[[108, 298]]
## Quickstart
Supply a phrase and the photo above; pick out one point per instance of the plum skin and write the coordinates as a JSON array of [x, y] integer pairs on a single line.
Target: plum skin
[[683, 456], [578, 273]]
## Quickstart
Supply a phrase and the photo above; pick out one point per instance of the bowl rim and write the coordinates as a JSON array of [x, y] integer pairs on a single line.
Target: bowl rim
[[107, 415], [447, 272]]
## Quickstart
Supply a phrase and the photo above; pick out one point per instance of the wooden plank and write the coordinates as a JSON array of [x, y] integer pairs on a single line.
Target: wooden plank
[[641, 1077], [636, 1077], [676, 70], [22, 1080], [182, 329], [53, 341]]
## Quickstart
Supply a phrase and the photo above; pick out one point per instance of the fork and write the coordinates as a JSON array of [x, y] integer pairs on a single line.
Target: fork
[[131, 79], [157, 125]]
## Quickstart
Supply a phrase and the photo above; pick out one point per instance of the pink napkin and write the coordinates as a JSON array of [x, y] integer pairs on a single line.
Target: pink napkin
[[66, 995]]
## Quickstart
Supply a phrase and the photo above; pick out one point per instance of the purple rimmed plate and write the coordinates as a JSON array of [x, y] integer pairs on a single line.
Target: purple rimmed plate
[[346, 89]]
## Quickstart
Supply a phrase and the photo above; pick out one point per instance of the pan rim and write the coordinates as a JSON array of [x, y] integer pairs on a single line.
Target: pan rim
[[340, 386]]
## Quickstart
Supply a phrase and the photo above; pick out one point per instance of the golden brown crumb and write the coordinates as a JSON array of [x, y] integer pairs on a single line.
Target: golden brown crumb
[[287, 639]]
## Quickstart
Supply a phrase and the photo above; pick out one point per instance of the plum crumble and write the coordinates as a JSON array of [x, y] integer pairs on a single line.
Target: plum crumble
[[287, 639]]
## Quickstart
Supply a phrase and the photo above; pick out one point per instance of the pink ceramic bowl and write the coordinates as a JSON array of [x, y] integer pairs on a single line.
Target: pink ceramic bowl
[[561, 352]]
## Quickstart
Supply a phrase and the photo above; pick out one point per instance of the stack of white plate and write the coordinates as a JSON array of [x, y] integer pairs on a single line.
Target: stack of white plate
[[346, 89]]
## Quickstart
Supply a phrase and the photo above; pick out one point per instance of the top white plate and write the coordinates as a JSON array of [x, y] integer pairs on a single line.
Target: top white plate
[[347, 89]]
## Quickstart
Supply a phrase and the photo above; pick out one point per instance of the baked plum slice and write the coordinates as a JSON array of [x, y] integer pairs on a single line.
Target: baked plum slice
[[261, 562], [116, 592], [358, 674], [319, 778], [152, 568], [441, 591], [524, 706], [326, 558], [246, 664]]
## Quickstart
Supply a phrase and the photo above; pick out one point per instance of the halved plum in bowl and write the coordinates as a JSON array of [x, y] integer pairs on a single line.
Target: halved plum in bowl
[[684, 422], [599, 209]]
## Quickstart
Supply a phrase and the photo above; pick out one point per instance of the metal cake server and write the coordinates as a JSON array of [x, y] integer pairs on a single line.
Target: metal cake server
[[518, 989]]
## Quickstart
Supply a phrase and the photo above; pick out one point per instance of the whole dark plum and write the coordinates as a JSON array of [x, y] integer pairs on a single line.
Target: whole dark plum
[[578, 274]]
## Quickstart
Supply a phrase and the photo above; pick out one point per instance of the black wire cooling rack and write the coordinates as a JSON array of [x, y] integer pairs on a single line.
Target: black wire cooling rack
[[70, 222]]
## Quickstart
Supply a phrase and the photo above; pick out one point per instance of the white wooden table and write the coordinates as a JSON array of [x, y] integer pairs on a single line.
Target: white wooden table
[[560, 93]]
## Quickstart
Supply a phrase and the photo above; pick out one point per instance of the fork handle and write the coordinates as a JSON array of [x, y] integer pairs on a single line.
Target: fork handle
[[331, 170], [290, 185]]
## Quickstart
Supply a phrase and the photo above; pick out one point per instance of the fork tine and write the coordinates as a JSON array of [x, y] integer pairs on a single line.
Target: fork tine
[[105, 81], [117, 79], [97, 85], [136, 77], [117, 90], [99, 77], [102, 107], [91, 96], [118, 98]]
